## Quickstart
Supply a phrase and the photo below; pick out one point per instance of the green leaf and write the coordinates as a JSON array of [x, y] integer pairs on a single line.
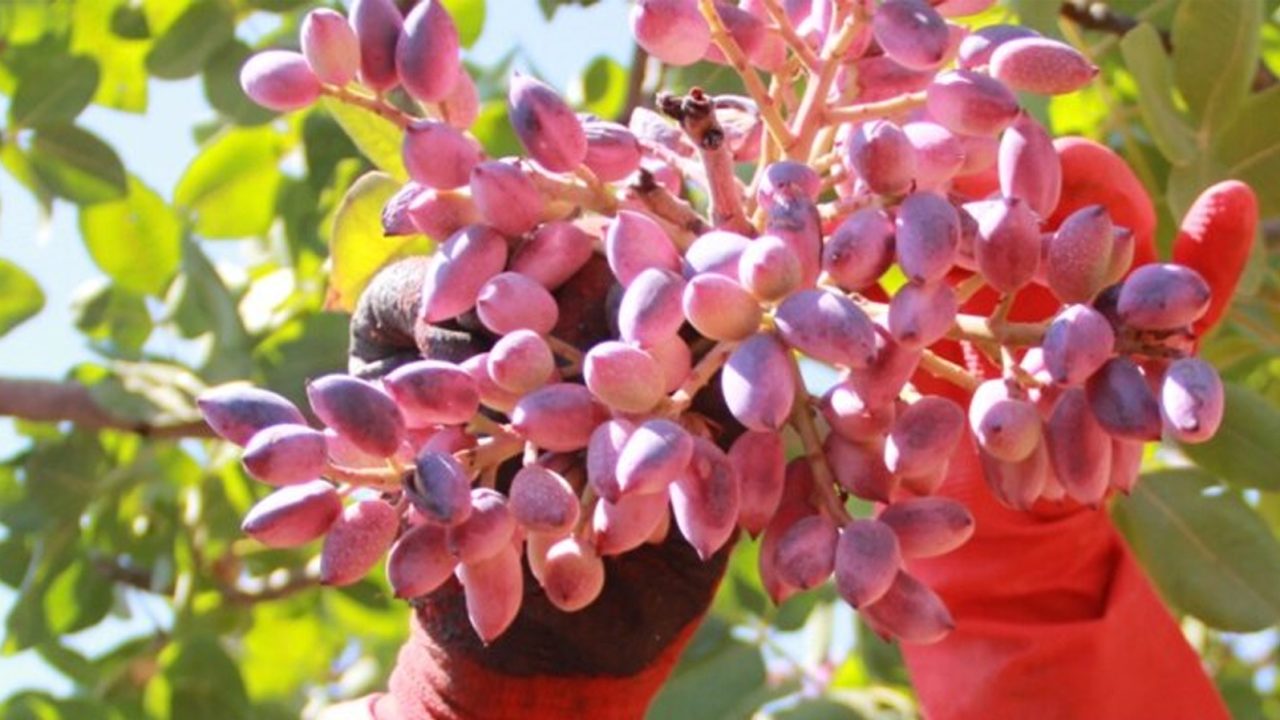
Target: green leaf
[[1244, 451], [38, 706], [469, 16], [20, 297], [76, 165], [603, 88], [549, 7], [324, 144], [494, 131], [130, 22], [222, 87], [54, 91], [1208, 552], [112, 316], [709, 686], [740, 596], [1215, 55], [137, 241], [202, 304], [286, 650], [121, 59], [186, 45], [231, 185], [79, 597], [26, 624], [308, 346], [358, 249], [1145, 56], [1038, 15], [1249, 149], [69, 470], [197, 681], [378, 139]]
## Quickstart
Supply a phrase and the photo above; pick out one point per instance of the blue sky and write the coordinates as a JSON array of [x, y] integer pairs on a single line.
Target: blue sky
[[157, 147]]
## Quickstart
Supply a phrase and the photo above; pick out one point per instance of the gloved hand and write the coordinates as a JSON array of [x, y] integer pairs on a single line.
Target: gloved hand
[[605, 661], [1054, 617]]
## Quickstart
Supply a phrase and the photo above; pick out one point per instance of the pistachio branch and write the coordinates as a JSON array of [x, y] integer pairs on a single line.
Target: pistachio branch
[[696, 114], [666, 206]]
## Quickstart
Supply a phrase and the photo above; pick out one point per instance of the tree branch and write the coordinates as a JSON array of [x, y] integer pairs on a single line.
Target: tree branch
[[635, 83], [55, 401]]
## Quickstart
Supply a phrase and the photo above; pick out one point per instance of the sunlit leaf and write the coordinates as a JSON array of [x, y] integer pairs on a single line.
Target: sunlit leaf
[[202, 304], [230, 187], [137, 241], [603, 88], [469, 16], [20, 296], [358, 249], [102, 31], [79, 597], [493, 130], [379, 139]]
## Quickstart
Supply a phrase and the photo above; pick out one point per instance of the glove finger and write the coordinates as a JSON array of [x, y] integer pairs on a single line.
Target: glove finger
[[1215, 239]]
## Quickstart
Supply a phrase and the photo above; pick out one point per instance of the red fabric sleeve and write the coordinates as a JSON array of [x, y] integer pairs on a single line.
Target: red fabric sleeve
[[1054, 619], [429, 683]]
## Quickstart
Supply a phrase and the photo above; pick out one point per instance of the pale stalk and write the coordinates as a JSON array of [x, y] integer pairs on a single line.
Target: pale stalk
[[720, 35], [662, 204], [554, 188], [682, 398], [944, 369], [823, 478], [875, 110], [370, 103], [788, 32], [809, 119], [567, 352], [969, 287], [491, 454], [844, 206], [377, 478]]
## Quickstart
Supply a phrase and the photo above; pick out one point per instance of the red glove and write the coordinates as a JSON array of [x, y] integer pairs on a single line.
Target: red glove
[[1054, 617]]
